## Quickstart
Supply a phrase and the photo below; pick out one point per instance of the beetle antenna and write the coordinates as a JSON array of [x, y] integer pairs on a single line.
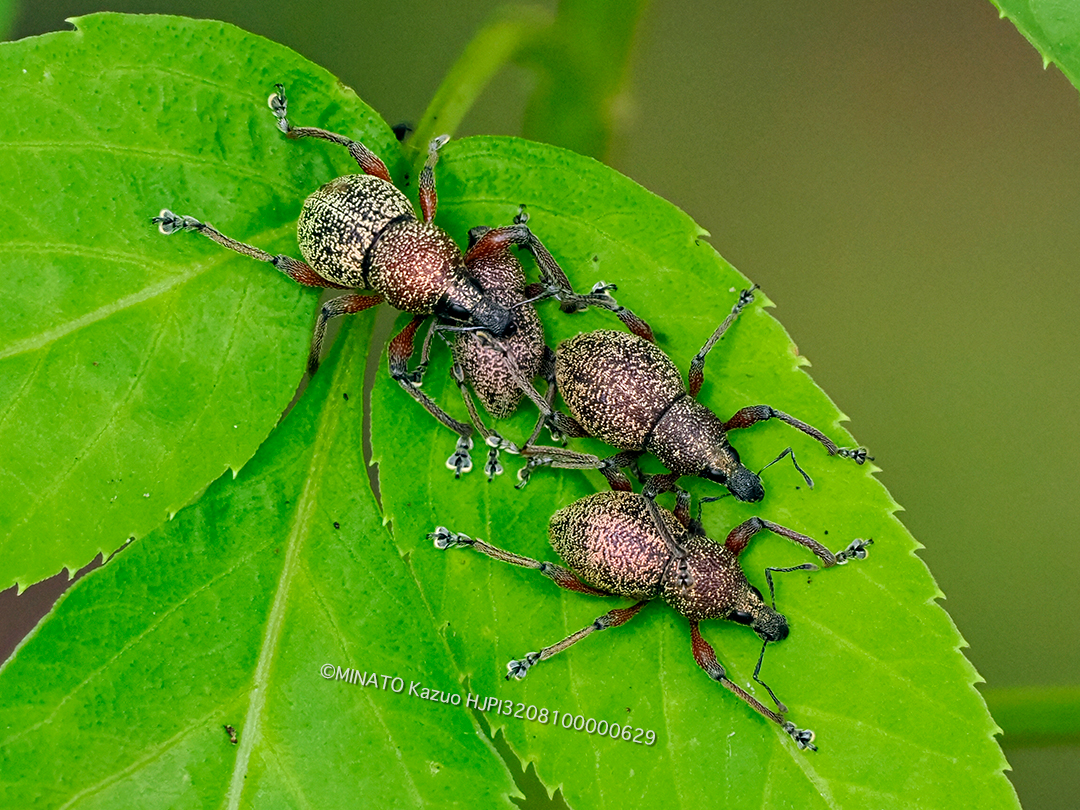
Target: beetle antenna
[[779, 706], [802, 472], [696, 526], [769, 573]]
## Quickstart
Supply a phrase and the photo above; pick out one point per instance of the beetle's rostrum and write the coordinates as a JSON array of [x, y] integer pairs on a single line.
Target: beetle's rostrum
[[360, 232], [491, 367], [625, 390], [501, 370], [613, 546]]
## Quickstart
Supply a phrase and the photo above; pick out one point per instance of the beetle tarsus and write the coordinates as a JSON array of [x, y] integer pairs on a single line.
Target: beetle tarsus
[[443, 538], [169, 223], [518, 669], [493, 467], [279, 106], [855, 551], [856, 454], [460, 461], [804, 737]]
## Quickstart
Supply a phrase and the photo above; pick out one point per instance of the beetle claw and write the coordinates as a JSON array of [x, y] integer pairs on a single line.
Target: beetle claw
[[519, 669], [460, 461], [855, 551], [804, 737]]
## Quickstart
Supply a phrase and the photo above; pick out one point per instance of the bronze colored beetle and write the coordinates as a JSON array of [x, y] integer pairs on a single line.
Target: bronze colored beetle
[[360, 232], [625, 390], [614, 544]]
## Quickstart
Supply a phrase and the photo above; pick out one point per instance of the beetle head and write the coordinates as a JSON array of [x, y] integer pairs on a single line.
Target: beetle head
[[468, 302], [762, 619], [726, 468]]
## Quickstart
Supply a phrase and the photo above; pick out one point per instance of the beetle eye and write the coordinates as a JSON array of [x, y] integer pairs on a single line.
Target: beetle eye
[[448, 309], [714, 474], [741, 617]]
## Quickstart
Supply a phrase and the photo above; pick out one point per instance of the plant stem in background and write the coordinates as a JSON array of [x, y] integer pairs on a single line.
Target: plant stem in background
[[1033, 716], [583, 66], [510, 29], [581, 58], [7, 17]]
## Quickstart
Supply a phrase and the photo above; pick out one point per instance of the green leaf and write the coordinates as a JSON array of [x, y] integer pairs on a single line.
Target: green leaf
[[227, 616], [201, 623], [1053, 27], [872, 663], [135, 369]]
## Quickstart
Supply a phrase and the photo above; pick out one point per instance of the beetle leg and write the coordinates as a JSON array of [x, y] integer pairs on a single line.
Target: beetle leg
[[659, 483], [705, 656], [494, 441], [561, 458], [613, 618], [683, 578], [417, 374], [399, 351], [753, 414], [697, 366], [367, 159], [547, 371], [554, 280], [429, 200], [443, 538], [695, 526], [335, 308], [739, 539], [682, 510], [298, 271]]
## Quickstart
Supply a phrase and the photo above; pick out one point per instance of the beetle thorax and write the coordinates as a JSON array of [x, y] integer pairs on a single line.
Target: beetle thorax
[[690, 438], [413, 265], [719, 585]]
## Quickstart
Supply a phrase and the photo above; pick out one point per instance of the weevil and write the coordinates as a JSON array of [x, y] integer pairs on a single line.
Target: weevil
[[613, 546], [623, 389], [493, 367], [359, 232]]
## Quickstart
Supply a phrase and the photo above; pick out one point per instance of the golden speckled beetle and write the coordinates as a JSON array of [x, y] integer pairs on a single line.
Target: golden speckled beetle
[[360, 232], [625, 390], [613, 545]]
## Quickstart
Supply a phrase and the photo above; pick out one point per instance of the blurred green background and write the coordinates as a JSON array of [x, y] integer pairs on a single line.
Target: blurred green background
[[901, 179]]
